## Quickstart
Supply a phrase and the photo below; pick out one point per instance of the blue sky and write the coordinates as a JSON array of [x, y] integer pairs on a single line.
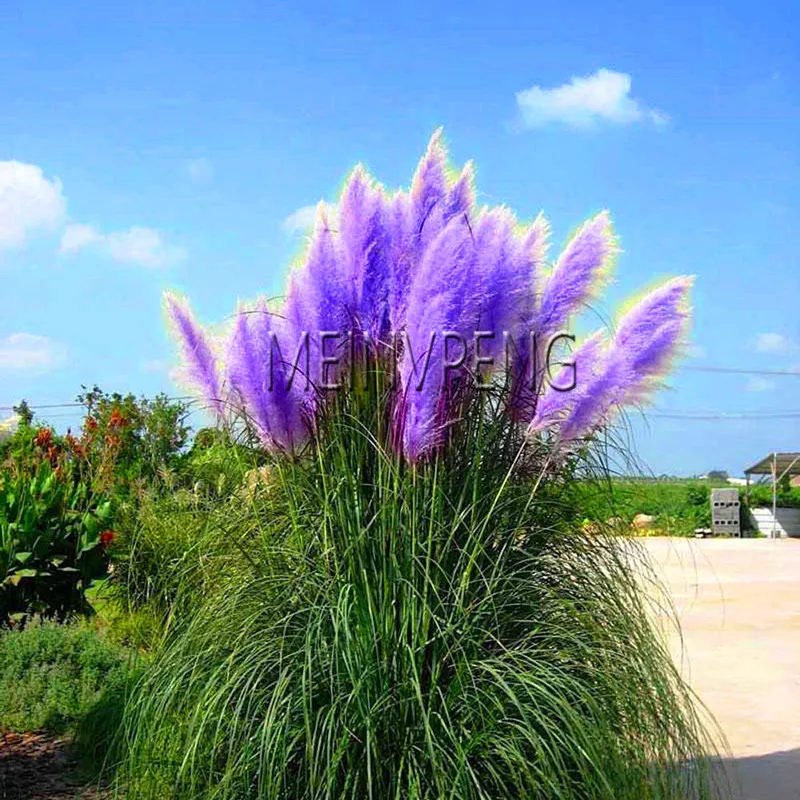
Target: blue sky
[[165, 145]]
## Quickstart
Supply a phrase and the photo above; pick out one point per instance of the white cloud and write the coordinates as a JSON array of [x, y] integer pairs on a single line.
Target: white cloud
[[758, 384], [144, 247], [76, 236], [29, 202], [26, 352], [199, 170], [154, 365], [604, 95], [300, 220], [773, 343]]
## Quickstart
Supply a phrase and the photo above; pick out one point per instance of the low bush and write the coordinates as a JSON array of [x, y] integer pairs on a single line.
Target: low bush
[[61, 496], [169, 540], [761, 496], [52, 676]]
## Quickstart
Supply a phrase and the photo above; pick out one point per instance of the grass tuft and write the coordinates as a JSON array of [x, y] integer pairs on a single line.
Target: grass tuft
[[443, 631]]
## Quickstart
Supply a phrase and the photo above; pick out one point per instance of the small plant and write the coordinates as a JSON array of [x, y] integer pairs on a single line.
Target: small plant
[[54, 534], [62, 497]]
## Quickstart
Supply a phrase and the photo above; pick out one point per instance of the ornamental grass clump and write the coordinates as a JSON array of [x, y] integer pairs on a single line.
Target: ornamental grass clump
[[416, 612]]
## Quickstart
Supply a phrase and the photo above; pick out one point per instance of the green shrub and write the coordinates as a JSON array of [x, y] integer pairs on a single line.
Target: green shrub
[[53, 538], [52, 676], [216, 466], [165, 544], [170, 552], [142, 442], [61, 497], [761, 496]]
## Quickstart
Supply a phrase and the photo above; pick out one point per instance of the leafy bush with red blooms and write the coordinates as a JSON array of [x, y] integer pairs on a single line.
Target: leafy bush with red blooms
[[60, 496], [53, 535]]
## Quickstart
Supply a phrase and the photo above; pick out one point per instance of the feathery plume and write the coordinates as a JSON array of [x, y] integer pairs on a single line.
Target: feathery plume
[[582, 268], [555, 404], [443, 298], [412, 267], [200, 369], [461, 196], [262, 375], [632, 365]]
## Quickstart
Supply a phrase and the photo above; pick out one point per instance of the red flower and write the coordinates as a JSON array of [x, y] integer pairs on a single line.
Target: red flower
[[116, 420], [91, 423], [106, 538], [74, 445], [43, 438]]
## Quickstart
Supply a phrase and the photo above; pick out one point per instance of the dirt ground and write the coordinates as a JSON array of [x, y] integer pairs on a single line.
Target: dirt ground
[[738, 602], [40, 766]]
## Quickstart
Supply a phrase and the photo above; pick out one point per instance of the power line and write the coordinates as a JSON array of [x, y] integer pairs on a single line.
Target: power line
[[39, 407], [733, 370], [654, 413], [746, 416]]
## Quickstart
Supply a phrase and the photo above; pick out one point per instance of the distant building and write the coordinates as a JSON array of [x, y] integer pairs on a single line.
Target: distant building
[[775, 522]]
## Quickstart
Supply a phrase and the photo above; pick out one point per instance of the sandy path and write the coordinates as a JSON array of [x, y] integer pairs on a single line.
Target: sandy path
[[738, 601]]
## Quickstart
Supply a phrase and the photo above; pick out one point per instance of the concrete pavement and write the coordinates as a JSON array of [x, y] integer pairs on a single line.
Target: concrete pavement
[[738, 602]]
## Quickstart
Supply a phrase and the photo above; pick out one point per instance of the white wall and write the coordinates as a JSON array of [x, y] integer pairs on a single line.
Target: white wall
[[788, 521]]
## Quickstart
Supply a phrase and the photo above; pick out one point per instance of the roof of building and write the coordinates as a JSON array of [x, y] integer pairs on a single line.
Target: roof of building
[[784, 464]]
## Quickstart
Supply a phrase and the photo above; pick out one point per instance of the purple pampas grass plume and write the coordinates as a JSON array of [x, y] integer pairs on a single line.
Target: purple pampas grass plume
[[531, 253], [444, 297], [652, 333], [461, 195], [364, 253], [260, 375], [357, 207], [666, 304], [414, 219], [325, 289], [320, 297], [582, 268], [200, 369], [429, 190], [402, 256], [503, 279], [649, 337], [555, 405]]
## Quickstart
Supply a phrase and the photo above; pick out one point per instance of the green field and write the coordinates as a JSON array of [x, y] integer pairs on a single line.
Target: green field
[[679, 506]]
